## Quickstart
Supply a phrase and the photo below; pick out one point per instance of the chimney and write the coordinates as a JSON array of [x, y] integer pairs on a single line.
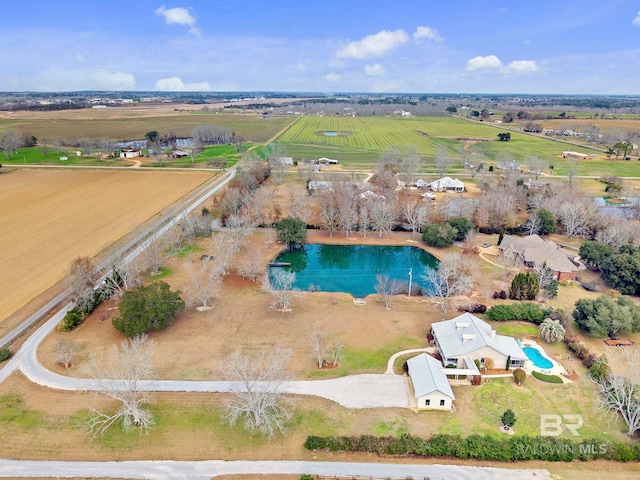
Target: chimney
[[493, 333]]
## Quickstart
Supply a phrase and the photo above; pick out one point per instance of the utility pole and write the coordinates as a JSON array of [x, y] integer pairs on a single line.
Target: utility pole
[[410, 279]]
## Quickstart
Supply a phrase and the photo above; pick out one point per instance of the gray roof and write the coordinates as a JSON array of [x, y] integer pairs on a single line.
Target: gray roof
[[427, 376], [466, 333], [535, 250]]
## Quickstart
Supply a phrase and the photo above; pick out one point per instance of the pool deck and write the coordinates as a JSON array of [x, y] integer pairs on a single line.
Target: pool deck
[[556, 369]]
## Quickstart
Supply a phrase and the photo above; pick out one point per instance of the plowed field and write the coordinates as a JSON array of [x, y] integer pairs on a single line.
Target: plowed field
[[49, 217]]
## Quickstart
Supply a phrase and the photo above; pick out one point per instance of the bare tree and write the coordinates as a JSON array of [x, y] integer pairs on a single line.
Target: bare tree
[[416, 216], [618, 232], [347, 206], [409, 164], [280, 286], [619, 390], [205, 281], [223, 248], [365, 218], [10, 142], [536, 165], [388, 287], [533, 224], [65, 350], [258, 392], [544, 273], [469, 242], [510, 264], [453, 277], [329, 212], [318, 343], [442, 161], [577, 217], [336, 349], [383, 216], [573, 167], [153, 253], [119, 377], [83, 276], [251, 266], [121, 275]]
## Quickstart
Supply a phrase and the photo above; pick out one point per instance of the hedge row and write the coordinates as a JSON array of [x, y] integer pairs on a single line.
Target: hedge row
[[528, 311], [481, 447], [543, 377]]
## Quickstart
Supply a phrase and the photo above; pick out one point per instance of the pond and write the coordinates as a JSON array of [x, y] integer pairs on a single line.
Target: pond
[[353, 268], [621, 207]]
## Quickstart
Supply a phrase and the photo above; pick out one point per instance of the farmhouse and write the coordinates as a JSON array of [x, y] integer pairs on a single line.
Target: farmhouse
[[319, 185], [534, 250], [468, 336], [130, 153], [371, 194], [447, 183], [578, 155], [179, 154], [285, 161], [420, 183], [512, 165], [327, 161], [430, 385]]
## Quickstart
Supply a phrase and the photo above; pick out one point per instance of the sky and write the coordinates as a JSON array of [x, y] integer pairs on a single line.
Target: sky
[[373, 46]]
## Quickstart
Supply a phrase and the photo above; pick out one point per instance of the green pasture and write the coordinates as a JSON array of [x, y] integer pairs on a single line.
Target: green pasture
[[250, 127], [51, 156]]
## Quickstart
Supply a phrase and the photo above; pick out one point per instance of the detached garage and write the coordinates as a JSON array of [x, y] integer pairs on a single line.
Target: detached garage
[[430, 384]]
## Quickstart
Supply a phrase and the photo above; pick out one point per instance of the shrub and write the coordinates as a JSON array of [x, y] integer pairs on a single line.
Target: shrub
[[508, 418], [5, 354], [525, 286], [577, 347], [473, 308], [439, 234], [546, 378], [72, 319], [590, 286], [531, 312], [519, 376]]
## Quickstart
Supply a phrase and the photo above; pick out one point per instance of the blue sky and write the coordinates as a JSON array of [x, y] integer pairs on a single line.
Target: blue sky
[[438, 46]]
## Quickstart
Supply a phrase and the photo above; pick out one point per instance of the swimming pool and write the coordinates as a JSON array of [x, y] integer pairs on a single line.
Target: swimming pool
[[537, 358]]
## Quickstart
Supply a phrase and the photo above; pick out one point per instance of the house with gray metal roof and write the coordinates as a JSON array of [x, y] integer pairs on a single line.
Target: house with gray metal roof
[[468, 336]]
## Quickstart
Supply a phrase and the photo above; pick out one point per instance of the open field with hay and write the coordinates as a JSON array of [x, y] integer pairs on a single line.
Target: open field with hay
[[50, 217], [133, 124]]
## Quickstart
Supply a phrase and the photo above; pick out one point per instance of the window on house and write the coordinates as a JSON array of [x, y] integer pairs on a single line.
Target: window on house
[[427, 402], [442, 403]]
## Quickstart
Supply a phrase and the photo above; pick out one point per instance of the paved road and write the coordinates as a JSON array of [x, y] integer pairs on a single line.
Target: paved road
[[213, 468]]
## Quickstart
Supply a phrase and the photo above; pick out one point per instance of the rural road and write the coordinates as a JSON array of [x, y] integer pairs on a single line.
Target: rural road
[[212, 468]]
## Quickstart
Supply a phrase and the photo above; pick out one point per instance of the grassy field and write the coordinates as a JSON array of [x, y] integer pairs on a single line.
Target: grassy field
[[360, 140], [131, 126], [50, 217]]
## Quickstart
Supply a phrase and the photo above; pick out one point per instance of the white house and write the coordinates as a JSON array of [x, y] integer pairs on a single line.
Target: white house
[[468, 336], [371, 194], [447, 183], [130, 153], [430, 384], [285, 161], [319, 185], [327, 161], [578, 155], [420, 183]]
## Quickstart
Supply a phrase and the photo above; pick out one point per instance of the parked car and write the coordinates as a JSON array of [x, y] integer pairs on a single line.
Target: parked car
[[486, 244]]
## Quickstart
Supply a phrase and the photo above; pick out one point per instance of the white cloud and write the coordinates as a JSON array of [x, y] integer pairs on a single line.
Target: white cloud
[[179, 16], [483, 63], [374, 70], [333, 77], [427, 33], [175, 84], [522, 67], [636, 21], [374, 45]]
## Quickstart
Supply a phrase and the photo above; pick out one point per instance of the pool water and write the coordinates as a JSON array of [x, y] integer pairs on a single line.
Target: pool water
[[353, 268], [536, 357]]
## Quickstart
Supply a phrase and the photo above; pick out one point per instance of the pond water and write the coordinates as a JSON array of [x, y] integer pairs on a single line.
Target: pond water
[[353, 268], [620, 208]]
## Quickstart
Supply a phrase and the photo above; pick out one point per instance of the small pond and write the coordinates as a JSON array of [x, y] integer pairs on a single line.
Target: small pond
[[620, 207], [353, 268]]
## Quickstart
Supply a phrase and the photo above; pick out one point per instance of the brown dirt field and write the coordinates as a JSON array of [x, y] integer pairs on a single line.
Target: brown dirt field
[[49, 217]]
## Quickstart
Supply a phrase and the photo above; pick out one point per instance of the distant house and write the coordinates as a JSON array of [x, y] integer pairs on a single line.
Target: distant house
[[285, 161], [578, 155], [319, 185], [130, 153], [428, 196], [512, 165], [371, 194], [537, 184], [430, 384], [420, 183], [534, 250], [447, 183], [179, 154], [467, 336], [327, 161]]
